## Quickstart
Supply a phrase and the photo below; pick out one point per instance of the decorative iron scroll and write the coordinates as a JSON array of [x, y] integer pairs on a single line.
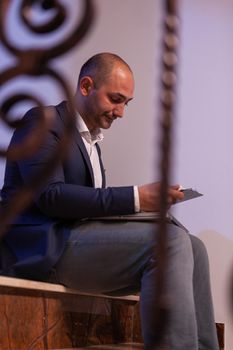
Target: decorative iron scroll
[[36, 62], [167, 114]]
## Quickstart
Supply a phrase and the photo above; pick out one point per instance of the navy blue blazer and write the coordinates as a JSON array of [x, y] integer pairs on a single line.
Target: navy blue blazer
[[38, 236]]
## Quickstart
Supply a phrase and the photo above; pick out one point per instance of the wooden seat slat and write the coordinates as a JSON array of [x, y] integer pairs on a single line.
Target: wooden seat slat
[[21, 285]]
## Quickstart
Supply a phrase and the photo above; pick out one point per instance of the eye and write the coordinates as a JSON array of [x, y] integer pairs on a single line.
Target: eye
[[115, 99], [118, 99]]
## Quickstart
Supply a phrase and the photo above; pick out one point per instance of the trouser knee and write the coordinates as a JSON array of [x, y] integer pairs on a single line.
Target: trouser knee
[[178, 246], [178, 240], [199, 250]]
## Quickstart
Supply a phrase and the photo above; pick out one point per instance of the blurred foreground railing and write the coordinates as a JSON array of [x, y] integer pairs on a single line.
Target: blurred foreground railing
[[167, 113], [33, 62]]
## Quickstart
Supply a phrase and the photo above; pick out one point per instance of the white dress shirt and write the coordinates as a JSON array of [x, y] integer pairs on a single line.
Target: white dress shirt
[[89, 140]]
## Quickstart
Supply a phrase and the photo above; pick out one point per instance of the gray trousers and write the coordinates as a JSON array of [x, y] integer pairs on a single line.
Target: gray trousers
[[121, 258]]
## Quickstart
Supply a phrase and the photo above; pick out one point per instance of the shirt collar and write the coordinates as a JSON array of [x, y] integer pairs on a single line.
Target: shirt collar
[[93, 137]]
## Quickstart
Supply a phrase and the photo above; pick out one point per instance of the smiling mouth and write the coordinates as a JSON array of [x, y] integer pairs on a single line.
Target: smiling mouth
[[110, 119]]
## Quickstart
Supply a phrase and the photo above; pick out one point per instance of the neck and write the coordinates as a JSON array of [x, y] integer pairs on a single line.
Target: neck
[[80, 107]]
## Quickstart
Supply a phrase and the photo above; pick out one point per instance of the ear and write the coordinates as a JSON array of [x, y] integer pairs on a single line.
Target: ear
[[86, 84]]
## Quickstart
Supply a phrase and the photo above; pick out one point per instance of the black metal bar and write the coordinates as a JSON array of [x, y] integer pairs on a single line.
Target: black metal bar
[[167, 116]]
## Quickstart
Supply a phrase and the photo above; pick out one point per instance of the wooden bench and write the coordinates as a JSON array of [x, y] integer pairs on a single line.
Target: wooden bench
[[14, 285], [39, 315]]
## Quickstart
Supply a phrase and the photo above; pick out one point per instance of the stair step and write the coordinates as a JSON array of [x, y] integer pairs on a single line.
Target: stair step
[[125, 346]]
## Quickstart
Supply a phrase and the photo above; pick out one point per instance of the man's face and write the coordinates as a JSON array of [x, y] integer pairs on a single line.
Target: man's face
[[106, 103]]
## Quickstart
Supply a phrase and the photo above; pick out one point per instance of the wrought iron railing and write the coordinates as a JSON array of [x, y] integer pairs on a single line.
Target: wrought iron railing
[[34, 62], [167, 115]]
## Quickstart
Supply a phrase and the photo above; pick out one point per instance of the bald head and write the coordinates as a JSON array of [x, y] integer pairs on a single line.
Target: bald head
[[99, 67], [105, 87]]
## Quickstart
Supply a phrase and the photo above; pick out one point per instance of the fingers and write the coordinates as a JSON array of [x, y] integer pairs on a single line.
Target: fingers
[[149, 196], [174, 195], [175, 187]]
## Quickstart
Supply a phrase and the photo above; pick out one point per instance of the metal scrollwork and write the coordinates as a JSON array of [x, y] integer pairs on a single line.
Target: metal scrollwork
[[35, 62], [167, 115]]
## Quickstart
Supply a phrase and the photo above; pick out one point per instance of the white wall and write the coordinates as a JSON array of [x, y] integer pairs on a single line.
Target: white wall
[[205, 109], [204, 138], [131, 28]]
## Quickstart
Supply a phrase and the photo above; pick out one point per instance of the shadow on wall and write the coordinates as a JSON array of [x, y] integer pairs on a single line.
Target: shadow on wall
[[220, 251]]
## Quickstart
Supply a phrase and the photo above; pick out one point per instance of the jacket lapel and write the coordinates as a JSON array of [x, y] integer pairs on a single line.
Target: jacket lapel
[[63, 111], [79, 141], [101, 166]]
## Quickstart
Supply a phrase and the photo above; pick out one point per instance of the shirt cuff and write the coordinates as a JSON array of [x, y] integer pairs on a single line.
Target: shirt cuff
[[136, 200]]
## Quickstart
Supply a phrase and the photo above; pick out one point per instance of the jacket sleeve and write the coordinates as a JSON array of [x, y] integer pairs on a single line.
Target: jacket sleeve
[[62, 199], [67, 201]]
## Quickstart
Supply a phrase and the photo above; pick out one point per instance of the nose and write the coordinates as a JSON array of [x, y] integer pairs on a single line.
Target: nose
[[119, 110]]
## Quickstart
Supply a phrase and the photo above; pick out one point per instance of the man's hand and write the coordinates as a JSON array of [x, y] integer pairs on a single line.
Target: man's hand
[[149, 196]]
